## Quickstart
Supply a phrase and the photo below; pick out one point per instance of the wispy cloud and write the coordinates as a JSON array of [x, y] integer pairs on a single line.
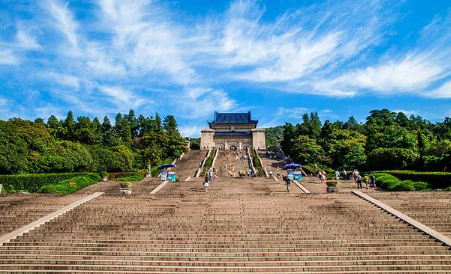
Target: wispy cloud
[[64, 20], [26, 40]]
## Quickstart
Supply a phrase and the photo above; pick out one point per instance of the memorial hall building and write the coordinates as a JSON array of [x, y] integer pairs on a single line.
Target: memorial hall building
[[233, 131]]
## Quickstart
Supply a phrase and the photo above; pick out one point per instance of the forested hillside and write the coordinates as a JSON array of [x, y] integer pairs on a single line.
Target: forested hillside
[[83, 145], [388, 140]]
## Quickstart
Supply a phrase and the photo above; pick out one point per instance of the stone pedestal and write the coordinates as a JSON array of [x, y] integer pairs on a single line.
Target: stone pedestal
[[206, 139], [258, 138]]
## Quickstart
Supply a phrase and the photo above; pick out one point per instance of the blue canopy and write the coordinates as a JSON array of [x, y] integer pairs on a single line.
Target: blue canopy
[[166, 166], [292, 166]]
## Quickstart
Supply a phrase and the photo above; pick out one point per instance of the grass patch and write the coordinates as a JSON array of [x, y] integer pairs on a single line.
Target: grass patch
[[70, 185], [135, 177]]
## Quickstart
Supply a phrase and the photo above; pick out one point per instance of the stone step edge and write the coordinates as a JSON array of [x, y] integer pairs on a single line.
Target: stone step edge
[[433, 233], [25, 229], [303, 188], [160, 186]]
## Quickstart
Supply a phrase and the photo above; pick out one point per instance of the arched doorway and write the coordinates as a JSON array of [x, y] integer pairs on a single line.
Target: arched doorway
[[233, 146]]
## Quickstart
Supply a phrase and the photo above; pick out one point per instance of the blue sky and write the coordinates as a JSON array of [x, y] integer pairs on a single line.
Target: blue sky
[[277, 58]]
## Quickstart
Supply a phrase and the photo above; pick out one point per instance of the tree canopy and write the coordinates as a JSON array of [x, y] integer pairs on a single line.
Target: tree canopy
[[387, 140], [83, 144]]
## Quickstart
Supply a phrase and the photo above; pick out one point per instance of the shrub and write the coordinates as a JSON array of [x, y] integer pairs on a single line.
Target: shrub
[[448, 188], [436, 179], [331, 183], [33, 182], [104, 174], [390, 182], [70, 185], [126, 184]]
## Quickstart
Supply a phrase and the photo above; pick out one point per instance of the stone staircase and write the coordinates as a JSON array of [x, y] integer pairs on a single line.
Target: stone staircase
[[228, 157], [188, 165], [430, 208], [18, 210], [237, 226]]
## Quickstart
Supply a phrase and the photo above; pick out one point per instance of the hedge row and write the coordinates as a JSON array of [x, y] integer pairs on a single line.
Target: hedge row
[[390, 182], [71, 185], [439, 180], [33, 182]]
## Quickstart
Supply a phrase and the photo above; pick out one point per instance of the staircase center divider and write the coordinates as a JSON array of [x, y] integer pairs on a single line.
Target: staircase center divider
[[261, 163], [214, 159], [251, 161], [199, 170]]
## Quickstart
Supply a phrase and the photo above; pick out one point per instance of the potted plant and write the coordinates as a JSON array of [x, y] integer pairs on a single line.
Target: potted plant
[[126, 188], [331, 186], [104, 176]]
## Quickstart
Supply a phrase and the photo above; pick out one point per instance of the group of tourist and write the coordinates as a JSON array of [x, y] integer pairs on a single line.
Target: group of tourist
[[368, 180]]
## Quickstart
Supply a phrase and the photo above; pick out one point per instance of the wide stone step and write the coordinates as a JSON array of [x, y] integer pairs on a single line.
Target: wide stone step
[[225, 269]]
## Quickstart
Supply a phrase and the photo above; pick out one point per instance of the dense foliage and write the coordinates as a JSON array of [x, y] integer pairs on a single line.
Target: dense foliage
[[273, 134], [83, 145], [388, 140], [70, 185], [33, 182]]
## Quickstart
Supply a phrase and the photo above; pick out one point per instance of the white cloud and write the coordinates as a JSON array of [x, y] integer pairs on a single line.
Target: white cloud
[[122, 97], [409, 74], [291, 112], [201, 102], [63, 79], [3, 101], [7, 57], [444, 91], [406, 112], [189, 131]]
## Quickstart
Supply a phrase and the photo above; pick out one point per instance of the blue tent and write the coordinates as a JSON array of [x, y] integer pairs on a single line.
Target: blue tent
[[292, 166], [166, 166]]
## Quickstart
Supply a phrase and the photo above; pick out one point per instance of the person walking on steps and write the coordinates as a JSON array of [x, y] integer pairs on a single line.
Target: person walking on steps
[[206, 183], [358, 180], [288, 181]]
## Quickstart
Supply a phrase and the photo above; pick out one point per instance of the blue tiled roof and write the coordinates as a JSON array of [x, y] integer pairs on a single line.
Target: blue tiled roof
[[233, 133], [233, 118]]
